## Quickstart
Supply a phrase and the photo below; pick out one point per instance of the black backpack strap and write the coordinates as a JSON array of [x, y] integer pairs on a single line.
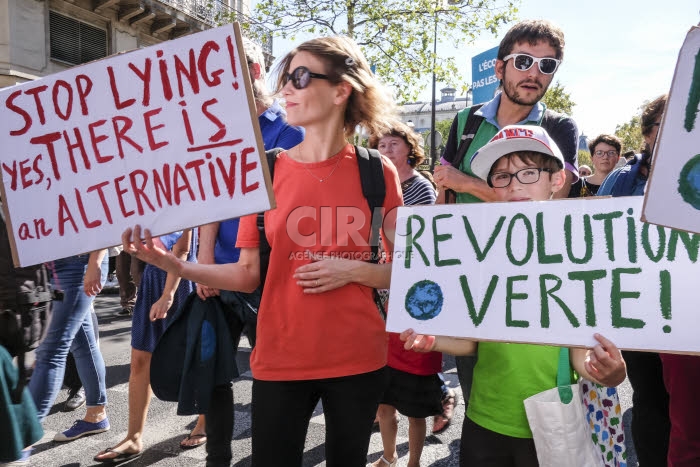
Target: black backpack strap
[[467, 136], [374, 190], [265, 247], [470, 128]]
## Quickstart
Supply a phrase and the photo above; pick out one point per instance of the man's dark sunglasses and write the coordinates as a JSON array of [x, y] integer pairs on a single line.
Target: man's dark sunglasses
[[301, 77]]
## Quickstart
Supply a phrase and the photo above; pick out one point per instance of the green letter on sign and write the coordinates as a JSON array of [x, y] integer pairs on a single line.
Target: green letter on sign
[[545, 293], [616, 296], [466, 291], [588, 277], [528, 241], [542, 255], [411, 240], [481, 254], [437, 238], [510, 296]]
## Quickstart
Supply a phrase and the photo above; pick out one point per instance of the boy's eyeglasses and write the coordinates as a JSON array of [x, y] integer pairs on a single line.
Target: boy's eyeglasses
[[524, 62], [301, 77], [611, 153], [525, 176]]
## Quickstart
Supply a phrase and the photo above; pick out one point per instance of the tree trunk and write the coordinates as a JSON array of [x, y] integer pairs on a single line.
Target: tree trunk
[[350, 4]]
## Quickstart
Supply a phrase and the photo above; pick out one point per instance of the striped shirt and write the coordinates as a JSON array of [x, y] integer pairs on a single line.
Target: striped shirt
[[418, 190]]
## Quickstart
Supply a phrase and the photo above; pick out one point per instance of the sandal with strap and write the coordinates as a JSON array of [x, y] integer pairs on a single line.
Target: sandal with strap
[[382, 462], [122, 457], [200, 441], [442, 421]]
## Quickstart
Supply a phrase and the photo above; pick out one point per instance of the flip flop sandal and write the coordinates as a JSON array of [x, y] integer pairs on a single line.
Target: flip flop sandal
[[381, 462], [120, 458], [442, 421], [202, 439]]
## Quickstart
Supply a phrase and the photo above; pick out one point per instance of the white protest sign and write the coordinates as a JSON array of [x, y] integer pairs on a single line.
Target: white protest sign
[[550, 272], [672, 195], [166, 137]]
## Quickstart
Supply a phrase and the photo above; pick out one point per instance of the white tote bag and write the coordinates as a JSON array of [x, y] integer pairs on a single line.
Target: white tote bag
[[561, 434]]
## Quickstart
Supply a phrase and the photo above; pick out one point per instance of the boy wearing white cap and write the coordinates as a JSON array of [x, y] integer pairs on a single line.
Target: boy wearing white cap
[[520, 163]]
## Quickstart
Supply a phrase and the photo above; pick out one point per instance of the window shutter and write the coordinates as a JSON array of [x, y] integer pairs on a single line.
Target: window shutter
[[75, 42]]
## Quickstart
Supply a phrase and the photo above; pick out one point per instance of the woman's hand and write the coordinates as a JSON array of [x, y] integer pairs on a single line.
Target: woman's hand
[[205, 292], [92, 281], [604, 363], [417, 342], [159, 310], [147, 250], [325, 274]]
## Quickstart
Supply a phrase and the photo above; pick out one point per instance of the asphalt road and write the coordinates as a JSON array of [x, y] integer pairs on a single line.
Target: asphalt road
[[165, 429]]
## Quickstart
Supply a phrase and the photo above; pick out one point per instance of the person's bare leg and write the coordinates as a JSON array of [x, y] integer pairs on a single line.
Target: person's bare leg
[[139, 400], [388, 428], [198, 433], [416, 440], [95, 414]]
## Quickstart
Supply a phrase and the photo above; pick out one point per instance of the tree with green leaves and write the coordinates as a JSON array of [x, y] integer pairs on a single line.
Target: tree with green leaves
[[442, 127], [630, 134], [396, 36], [584, 158], [556, 98]]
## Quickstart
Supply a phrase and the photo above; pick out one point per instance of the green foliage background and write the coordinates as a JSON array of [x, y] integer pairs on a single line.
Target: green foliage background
[[556, 98], [396, 36]]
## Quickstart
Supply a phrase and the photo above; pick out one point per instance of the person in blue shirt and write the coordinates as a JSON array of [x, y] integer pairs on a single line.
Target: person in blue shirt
[[650, 401], [217, 246], [631, 179]]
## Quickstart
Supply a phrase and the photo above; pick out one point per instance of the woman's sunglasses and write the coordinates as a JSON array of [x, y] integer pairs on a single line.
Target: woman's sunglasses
[[524, 62], [301, 77]]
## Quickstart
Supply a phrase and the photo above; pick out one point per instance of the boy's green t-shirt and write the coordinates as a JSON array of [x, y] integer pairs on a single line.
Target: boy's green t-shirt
[[504, 376]]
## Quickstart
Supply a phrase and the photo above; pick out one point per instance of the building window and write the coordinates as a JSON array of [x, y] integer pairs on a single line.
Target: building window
[[75, 42]]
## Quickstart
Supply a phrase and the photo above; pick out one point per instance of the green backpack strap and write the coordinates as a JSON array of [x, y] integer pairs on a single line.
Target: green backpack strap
[[564, 376]]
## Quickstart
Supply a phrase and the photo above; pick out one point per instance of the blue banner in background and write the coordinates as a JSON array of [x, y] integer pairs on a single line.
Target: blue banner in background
[[484, 81]]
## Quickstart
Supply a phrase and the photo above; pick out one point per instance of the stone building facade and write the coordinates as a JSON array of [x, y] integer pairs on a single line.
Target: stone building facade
[[446, 108], [42, 37]]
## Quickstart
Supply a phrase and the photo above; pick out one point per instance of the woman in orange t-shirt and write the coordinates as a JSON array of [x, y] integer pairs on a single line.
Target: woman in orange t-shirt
[[317, 305]]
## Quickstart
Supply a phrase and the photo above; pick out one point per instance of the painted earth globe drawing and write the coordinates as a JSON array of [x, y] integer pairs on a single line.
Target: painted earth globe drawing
[[424, 300], [689, 182]]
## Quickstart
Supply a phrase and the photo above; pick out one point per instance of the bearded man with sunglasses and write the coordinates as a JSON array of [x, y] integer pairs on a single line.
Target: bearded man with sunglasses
[[528, 57]]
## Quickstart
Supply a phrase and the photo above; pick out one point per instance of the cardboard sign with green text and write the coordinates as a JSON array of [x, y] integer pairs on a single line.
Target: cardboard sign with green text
[[552, 272], [675, 177]]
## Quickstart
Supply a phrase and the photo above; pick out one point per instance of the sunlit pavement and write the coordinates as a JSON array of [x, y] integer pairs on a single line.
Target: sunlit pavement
[[165, 429]]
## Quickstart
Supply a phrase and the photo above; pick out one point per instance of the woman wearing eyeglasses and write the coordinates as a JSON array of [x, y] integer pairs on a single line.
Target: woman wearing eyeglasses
[[652, 382], [320, 335], [605, 152]]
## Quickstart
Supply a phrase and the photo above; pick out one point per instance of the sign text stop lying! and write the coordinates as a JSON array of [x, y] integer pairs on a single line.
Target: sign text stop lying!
[[165, 136]]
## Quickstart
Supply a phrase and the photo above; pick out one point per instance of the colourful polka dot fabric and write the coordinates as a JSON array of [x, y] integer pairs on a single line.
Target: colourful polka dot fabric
[[604, 417]]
